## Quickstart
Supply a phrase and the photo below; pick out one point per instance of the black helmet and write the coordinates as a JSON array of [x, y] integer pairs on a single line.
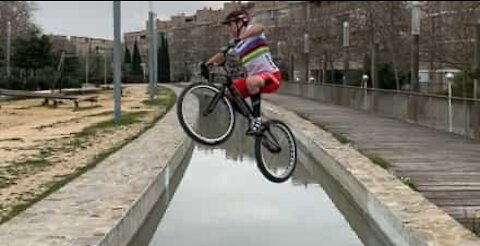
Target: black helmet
[[235, 16]]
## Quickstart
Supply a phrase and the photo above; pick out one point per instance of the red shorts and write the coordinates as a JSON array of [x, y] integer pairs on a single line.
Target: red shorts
[[272, 83]]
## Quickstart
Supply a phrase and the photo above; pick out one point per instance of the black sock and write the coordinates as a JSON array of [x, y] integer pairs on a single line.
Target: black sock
[[256, 104]]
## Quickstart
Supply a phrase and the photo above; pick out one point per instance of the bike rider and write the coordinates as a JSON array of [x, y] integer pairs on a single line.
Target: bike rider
[[250, 45]]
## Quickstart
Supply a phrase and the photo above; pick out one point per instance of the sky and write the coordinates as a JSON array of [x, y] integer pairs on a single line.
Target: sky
[[95, 19]]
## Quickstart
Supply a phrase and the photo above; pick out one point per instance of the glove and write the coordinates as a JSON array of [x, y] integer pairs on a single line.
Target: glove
[[204, 71], [233, 42]]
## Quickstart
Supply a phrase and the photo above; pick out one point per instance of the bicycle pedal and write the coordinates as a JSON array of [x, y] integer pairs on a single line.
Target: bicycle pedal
[[252, 132]]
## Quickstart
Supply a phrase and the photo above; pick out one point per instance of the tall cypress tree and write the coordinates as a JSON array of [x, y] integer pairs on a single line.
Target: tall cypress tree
[[160, 63], [136, 60], [167, 59], [128, 56], [163, 61]]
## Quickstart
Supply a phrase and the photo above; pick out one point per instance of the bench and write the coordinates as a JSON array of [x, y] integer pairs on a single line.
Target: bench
[[55, 97]]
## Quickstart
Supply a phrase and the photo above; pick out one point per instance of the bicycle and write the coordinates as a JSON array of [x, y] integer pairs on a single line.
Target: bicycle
[[224, 100]]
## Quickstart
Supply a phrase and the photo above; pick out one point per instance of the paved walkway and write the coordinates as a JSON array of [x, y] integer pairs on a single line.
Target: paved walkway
[[444, 167]]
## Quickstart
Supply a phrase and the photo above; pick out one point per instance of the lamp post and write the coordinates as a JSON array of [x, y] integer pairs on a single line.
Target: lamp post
[[117, 51], [306, 51], [346, 44], [415, 44], [450, 77]]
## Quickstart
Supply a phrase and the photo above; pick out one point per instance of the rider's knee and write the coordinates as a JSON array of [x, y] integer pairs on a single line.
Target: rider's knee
[[254, 83]]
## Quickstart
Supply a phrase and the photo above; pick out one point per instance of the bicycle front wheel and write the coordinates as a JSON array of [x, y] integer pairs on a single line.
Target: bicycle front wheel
[[276, 151], [216, 119]]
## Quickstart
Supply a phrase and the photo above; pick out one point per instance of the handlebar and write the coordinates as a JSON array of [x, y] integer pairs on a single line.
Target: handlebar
[[205, 69]]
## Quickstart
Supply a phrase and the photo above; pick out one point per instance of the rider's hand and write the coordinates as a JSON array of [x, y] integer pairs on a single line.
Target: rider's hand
[[204, 71], [233, 42]]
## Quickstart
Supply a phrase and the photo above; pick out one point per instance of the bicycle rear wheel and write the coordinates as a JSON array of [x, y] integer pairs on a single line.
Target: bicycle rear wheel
[[216, 118], [276, 151]]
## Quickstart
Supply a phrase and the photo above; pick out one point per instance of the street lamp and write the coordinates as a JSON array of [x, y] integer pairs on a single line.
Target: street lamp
[[306, 51], [151, 50], [364, 81], [346, 34], [346, 44], [9, 44], [450, 77], [117, 50], [365, 89], [415, 43]]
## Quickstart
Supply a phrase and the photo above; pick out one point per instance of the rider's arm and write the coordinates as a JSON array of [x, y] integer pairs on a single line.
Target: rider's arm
[[253, 31], [215, 59]]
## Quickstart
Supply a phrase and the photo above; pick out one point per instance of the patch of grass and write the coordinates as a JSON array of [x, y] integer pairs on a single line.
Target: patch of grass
[[408, 182], [56, 185], [36, 162], [5, 182], [162, 97], [11, 139], [376, 160], [159, 91], [55, 123], [126, 119], [341, 138], [10, 173], [79, 109], [380, 161], [155, 101], [105, 91], [101, 114], [46, 152], [476, 224]]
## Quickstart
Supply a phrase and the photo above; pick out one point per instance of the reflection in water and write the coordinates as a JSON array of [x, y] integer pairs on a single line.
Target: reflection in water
[[307, 173], [223, 199], [240, 148], [205, 126], [146, 231]]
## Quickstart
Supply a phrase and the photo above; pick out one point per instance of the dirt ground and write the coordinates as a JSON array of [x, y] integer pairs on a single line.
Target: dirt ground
[[41, 145]]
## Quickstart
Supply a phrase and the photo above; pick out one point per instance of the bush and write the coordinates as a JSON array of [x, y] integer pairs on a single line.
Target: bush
[[131, 78], [45, 79], [386, 77], [354, 77]]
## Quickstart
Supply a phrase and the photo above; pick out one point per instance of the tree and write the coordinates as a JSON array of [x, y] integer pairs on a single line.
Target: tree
[[389, 22], [167, 59], [136, 60], [19, 14], [127, 61], [32, 53], [160, 63], [128, 57], [163, 61]]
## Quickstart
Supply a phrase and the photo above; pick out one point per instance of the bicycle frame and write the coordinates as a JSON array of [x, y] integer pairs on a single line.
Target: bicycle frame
[[244, 107]]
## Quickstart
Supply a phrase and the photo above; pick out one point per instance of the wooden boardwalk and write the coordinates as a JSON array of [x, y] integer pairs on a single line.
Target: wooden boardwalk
[[444, 167]]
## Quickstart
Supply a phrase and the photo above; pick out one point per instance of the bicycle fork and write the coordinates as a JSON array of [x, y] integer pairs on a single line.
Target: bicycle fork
[[213, 103]]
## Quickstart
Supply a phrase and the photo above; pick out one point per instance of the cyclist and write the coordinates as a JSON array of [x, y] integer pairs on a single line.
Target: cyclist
[[250, 45]]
